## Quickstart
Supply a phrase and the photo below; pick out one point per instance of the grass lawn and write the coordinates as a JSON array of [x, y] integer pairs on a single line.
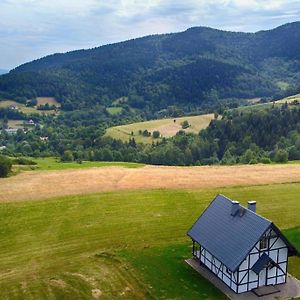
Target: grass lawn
[[114, 110], [166, 264], [294, 162], [120, 245], [52, 163], [167, 128]]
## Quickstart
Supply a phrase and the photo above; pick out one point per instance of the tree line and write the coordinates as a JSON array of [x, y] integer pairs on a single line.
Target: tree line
[[239, 137]]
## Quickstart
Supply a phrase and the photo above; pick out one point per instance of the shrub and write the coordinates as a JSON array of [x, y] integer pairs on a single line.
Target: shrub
[[265, 160], [67, 156], [5, 166], [253, 161], [281, 156], [146, 133], [185, 124], [23, 161], [247, 157], [156, 134]]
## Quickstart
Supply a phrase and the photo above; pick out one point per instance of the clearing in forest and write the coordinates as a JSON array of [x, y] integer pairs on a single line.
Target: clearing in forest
[[167, 128], [49, 100]]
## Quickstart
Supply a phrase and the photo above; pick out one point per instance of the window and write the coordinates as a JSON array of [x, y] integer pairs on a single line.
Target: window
[[263, 243]]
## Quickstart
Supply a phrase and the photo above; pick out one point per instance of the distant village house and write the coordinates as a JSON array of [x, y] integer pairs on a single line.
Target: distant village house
[[14, 107], [11, 130]]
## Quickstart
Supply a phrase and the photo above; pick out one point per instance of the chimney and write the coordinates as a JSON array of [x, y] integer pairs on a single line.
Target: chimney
[[235, 206], [252, 205]]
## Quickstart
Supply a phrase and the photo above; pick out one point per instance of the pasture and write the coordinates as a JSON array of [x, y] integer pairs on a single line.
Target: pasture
[[53, 163], [22, 107], [120, 245], [167, 127], [49, 100], [261, 106], [29, 110]]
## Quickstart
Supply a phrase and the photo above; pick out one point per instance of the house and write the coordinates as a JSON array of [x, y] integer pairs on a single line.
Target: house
[[11, 130], [242, 248], [14, 107], [30, 122], [44, 138]]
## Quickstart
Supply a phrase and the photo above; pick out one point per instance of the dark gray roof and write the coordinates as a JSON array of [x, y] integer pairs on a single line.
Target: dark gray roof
[[261, 263], [228, 238]]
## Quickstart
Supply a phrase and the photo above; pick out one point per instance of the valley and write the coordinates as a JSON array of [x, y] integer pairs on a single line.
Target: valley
[[110, 151]]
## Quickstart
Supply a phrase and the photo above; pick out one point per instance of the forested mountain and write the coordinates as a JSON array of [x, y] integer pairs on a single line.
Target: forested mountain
[[2, 71], [189, 69]]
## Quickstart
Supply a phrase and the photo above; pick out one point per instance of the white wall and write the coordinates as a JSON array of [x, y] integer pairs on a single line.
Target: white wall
[[273, 251]]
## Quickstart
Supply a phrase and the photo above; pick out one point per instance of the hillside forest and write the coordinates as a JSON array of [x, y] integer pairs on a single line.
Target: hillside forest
[[198, 71]]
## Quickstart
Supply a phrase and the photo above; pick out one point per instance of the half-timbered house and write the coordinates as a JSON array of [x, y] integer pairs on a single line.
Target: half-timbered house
[[242, 248]]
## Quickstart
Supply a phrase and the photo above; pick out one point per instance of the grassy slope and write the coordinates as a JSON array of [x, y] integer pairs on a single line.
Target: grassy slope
[[129, 245], [123, 132], [262, 106], [52, 163], [15, 123], [23, 108], [288, 99], [49, 100]]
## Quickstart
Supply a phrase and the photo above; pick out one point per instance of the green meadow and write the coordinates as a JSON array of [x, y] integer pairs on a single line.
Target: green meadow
[[114, 110], [121, 245], [25, 109], [167, 127], [53, 163]]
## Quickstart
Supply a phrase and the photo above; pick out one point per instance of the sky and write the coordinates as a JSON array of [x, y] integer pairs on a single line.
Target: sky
[[30, 29]]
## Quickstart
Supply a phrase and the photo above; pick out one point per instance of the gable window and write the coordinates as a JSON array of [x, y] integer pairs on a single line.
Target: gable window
[[263, 243]]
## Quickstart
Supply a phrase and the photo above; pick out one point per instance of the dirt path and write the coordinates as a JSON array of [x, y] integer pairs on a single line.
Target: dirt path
[[35, 185]]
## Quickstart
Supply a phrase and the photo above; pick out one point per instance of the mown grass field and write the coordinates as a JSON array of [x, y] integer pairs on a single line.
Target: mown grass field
[[167, 128], [120, 245], [49, 100]]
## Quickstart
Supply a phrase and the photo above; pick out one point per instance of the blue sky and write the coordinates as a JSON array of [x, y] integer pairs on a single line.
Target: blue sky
[[31, 29]]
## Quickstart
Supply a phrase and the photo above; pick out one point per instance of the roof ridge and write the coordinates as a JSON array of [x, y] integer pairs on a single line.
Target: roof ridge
[[245, 207]]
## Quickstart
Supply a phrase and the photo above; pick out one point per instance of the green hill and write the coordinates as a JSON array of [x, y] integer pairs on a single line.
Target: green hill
[[187, 69]]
